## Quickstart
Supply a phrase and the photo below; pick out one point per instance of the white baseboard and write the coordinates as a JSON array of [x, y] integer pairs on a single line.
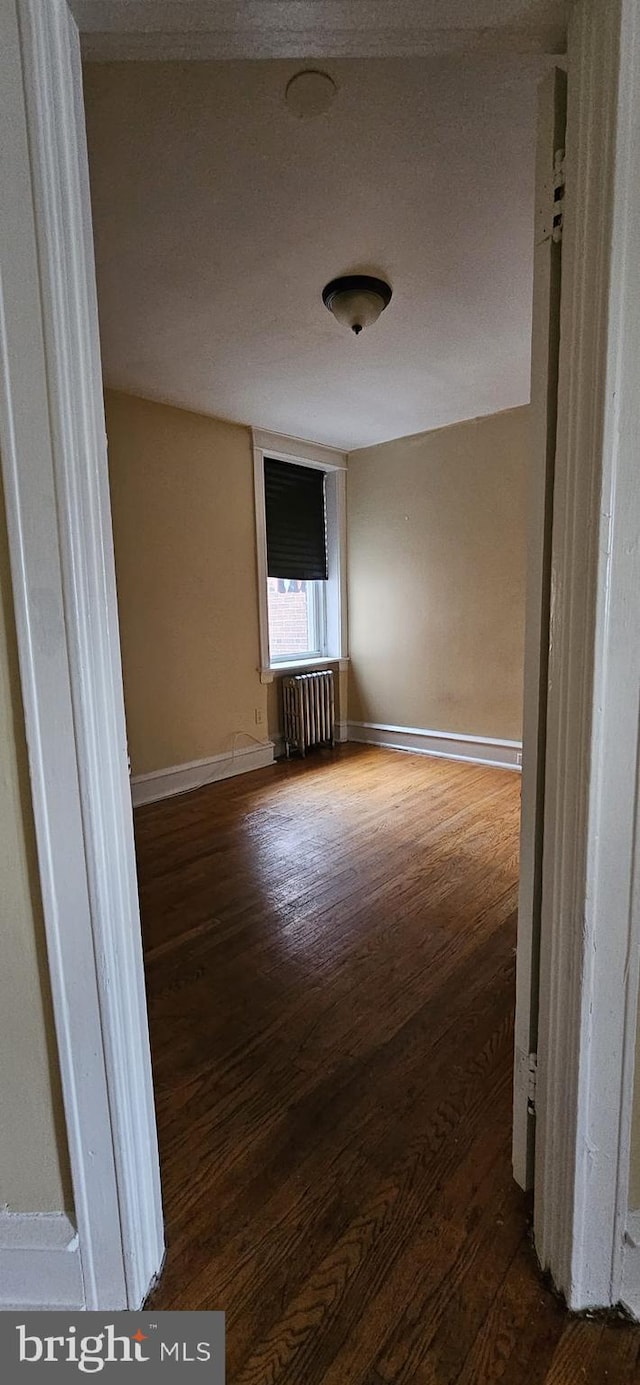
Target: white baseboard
[[444, 745], [39, 1262], [164, 783]]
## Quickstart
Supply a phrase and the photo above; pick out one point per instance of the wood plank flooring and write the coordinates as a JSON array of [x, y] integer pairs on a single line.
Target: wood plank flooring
[[330, 968]]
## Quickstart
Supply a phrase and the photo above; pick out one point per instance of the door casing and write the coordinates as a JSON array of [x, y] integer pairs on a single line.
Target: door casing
[[55, 479]]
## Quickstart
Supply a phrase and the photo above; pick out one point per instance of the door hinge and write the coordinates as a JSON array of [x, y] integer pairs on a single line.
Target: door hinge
[[558, 195], [532, 1081]]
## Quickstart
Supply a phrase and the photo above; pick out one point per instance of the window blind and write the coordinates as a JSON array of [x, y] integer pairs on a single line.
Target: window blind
[[296, 524]]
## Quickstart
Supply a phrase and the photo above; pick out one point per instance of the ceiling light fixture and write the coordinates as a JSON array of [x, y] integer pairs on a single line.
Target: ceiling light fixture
[[356, 300]]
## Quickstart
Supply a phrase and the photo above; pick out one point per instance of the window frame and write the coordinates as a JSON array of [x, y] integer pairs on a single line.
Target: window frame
[[334, 464]]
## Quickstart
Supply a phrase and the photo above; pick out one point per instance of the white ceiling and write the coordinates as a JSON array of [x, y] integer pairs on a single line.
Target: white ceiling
[[219, 217]]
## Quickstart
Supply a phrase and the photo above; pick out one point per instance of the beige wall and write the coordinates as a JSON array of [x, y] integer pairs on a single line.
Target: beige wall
[[436, 536], [436, 581], [33, 1156], [184, 534]]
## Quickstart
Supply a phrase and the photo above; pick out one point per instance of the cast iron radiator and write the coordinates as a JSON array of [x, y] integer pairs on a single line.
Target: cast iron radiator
[[308, 705]]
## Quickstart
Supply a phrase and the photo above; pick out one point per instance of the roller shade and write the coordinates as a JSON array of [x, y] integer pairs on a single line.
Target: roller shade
[[296, 525]]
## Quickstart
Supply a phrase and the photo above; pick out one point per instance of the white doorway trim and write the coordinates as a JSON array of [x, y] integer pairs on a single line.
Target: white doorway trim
[[545, 341], [55, 476], [590, 915], [52, 440]]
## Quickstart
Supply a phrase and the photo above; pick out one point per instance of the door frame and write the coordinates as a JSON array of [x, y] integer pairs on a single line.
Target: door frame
[[55, 480], [545, 341], [590, 933], [56, 489]]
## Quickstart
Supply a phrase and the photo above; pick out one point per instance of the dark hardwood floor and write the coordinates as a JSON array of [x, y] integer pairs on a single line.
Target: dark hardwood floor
[[330, 969]]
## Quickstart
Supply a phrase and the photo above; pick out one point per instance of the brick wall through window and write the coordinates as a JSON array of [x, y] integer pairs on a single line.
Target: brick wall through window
[[289, 627]]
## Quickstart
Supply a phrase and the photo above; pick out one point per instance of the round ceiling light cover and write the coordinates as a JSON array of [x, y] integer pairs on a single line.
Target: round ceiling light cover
[[356, 300], [310, 93]]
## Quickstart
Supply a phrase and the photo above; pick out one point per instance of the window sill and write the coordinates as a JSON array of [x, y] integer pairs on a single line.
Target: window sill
[[267, 675]]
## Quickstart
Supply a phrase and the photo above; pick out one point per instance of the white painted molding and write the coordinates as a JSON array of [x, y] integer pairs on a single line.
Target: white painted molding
[[161, 29], [337, 603], [590, 907], [261, 561], [315, 454], [545, 338], [40, 1265], [267, 675], [445, 745], [164, 783], [52, 441]]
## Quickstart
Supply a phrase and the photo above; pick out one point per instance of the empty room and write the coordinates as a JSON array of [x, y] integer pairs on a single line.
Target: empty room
[[308, 652], [328, 939]]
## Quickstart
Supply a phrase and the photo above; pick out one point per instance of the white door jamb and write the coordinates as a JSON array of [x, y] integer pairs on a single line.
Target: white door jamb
[[590, 914], [52, 440]]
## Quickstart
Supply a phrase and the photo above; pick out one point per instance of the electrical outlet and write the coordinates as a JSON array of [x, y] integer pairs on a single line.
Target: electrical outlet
[[259, 716]]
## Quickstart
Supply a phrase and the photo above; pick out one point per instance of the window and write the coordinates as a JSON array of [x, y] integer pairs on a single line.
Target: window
[[297, 618], [300, 545], [297, 568]]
